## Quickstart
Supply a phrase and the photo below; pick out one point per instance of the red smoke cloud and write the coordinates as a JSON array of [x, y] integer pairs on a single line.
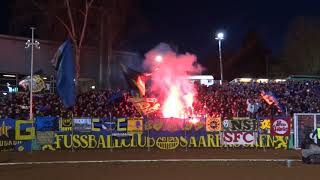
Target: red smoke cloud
[[170, 84]]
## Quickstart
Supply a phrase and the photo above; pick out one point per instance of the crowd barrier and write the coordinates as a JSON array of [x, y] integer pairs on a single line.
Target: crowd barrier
[[54, 134]]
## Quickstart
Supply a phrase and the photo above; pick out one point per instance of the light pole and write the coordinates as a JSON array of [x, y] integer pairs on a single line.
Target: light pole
[[101, 43], [33, 44], [220, 37]]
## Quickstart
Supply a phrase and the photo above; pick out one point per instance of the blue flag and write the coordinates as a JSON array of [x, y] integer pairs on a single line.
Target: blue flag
[[64, 64]]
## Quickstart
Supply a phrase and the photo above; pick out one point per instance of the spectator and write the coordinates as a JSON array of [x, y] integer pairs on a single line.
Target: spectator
[[250, 108], [227, 100]]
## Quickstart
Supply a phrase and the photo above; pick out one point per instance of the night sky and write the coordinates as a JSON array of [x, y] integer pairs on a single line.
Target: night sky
[[191, 25], [4, 16]]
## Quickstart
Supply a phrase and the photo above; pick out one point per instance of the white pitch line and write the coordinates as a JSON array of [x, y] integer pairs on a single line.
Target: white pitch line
[[148, 160]]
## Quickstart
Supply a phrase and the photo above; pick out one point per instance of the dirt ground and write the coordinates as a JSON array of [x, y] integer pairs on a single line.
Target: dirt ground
[[158, 170]]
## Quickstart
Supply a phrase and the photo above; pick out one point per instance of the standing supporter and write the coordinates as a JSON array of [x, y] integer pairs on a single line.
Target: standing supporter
[[250, 108]]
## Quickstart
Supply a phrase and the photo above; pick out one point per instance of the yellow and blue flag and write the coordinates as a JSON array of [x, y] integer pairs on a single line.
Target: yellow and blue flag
[[136, 80]]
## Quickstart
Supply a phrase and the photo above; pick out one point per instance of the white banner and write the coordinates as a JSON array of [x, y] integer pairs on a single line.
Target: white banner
[[239, 138], [82, 124]]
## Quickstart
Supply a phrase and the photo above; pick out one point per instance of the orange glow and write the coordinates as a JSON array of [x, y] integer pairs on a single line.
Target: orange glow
[[173, 106], [141, 85], [170, 81], [188, 99], [177, 105], [194, 120]]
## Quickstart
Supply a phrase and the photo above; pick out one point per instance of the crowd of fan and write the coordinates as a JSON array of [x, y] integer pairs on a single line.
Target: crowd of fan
[[240, 100], [89, 104], [227, 100]]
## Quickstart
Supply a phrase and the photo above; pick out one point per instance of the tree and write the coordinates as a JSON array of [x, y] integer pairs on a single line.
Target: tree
[[251, 60], [75, 23], [117, 14], [54, 20], [107, 22], [301, 48]]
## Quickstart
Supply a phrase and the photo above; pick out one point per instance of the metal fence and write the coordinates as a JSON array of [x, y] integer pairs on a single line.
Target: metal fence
[[305, 125]]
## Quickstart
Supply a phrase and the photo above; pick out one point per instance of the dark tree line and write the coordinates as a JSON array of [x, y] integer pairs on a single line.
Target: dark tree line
[[301, 48], [108, 24], [251, 60], [299, 54]]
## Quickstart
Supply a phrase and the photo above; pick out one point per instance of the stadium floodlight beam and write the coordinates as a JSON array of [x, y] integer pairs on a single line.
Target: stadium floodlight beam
[[219, 38], [33, 44]]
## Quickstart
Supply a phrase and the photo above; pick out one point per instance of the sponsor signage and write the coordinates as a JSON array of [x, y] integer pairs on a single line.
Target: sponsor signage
[[280, 127]]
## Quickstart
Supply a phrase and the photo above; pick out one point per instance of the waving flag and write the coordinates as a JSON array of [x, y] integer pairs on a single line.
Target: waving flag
[[63, 62], [271, 99], [136, 80], [37, 83], [145, 105]]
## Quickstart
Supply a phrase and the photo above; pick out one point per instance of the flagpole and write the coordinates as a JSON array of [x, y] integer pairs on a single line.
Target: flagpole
[[33, 44]]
